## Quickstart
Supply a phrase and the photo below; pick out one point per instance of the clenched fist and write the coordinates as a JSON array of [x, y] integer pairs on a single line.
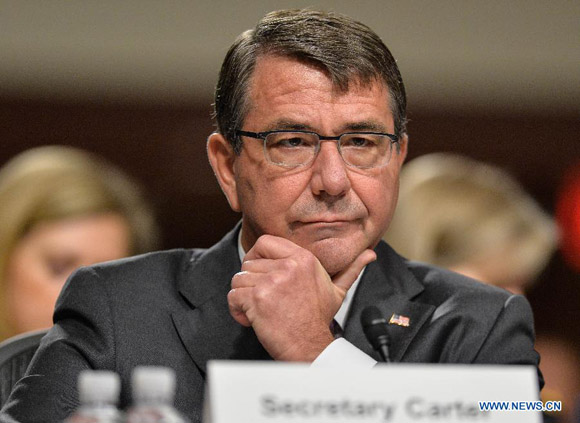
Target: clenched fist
[[288, 298]]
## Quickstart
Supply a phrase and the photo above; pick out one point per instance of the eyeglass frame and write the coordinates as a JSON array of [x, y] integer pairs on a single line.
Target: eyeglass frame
[[262, 136]]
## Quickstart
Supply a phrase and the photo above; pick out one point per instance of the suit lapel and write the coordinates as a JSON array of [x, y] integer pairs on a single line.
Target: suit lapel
[[390, 286], [207, 329]]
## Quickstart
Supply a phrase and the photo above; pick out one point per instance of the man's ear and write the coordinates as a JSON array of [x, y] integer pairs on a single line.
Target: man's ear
[[222, 157], [402, 152]]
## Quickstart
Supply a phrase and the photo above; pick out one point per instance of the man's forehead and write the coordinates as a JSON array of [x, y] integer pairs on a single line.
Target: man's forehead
[[355, 82]]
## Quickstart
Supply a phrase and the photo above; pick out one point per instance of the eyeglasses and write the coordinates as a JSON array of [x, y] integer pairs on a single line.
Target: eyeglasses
[[299, 148]]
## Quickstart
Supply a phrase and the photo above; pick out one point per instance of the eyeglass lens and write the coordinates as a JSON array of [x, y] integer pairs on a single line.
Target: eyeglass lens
[[298, 148]]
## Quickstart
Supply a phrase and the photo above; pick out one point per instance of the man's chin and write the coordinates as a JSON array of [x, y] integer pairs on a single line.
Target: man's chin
[[335, 256]]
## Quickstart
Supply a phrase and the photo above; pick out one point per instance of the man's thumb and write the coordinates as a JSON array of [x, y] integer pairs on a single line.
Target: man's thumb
[[346, 278]]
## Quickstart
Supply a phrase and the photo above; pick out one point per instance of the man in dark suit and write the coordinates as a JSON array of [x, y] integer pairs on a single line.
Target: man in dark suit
[[311, 136]]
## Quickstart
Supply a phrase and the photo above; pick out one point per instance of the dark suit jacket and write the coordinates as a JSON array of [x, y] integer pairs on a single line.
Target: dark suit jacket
[[170, 309]]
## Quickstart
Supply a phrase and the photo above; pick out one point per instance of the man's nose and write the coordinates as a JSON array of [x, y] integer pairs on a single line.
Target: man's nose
[[329, 173]]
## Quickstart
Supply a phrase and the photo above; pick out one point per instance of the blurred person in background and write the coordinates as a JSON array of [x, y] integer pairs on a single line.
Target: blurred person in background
[[475, 219], [472, 218], [61, 208]]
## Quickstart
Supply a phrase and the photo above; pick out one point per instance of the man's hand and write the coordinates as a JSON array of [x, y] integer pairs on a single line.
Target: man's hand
[[285, 294]]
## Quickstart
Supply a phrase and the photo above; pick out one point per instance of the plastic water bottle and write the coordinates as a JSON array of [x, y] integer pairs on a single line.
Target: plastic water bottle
[[98, 395], [153, 391]]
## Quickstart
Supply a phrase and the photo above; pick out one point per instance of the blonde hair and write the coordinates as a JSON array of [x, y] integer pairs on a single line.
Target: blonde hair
[[454, 211], [56, 182]]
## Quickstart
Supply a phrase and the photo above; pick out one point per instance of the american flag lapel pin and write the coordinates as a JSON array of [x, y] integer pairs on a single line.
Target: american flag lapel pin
[[398, 319]]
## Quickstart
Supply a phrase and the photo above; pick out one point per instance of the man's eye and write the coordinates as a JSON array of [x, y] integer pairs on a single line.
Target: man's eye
[[292, 142], [358, 141]]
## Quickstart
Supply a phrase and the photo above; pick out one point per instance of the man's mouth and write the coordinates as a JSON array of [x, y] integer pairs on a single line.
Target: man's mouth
[[325, 224]]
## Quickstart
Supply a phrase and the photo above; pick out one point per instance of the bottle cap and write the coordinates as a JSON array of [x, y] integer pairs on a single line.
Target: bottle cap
[[153, 383], [98, 386]]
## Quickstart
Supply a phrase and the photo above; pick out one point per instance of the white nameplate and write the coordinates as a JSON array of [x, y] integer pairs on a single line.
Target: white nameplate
[[256, 392]]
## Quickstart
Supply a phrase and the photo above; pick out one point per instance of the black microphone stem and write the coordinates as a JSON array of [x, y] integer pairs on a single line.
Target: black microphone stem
[[376, 330]]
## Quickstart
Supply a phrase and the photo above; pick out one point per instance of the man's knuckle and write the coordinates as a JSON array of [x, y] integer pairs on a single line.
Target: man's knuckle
[[264, 239], [289, 265], [261, 294], [278, 278]]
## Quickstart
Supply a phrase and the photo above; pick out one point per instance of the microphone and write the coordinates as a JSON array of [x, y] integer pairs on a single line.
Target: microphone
[[376, 330]]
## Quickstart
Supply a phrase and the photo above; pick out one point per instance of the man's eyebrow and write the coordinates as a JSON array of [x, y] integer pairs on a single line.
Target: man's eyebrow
[[368, 125], [284, 124]]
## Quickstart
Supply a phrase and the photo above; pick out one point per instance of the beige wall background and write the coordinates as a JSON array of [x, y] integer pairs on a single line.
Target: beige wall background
[[515, 56]]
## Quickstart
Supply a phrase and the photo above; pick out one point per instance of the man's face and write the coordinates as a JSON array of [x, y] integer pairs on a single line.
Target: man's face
[[333, 210]]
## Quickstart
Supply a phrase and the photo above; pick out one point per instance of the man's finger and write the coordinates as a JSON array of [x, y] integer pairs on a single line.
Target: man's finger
[[242, 279], [249, 279], [259, 265], [236, 300], [346, 278], [271, 247]]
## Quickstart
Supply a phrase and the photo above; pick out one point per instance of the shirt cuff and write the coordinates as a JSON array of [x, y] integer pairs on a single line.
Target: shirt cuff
[[340, 352]]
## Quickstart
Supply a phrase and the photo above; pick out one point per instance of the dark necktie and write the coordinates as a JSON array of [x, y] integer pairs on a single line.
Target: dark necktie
[[335, 329]]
